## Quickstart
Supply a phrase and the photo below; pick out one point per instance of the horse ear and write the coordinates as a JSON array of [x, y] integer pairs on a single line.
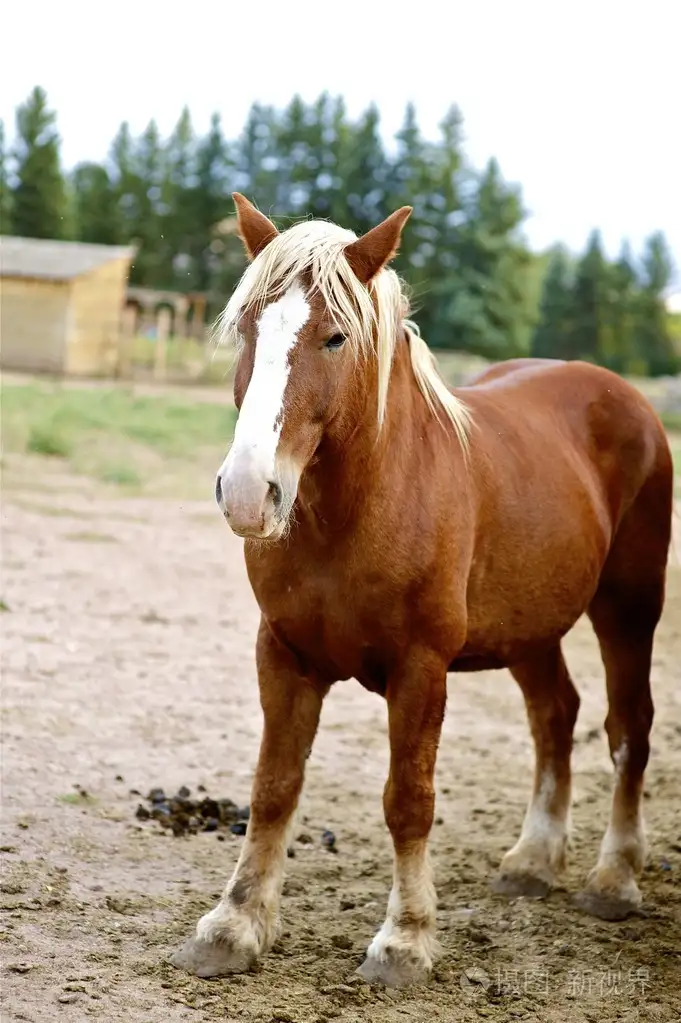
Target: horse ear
[[373, 250], [255, 229]]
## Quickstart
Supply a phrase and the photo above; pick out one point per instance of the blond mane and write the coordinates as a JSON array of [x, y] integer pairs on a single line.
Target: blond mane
[[370, 318]]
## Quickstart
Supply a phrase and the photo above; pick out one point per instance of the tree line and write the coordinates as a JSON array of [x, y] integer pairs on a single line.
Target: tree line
[[476, 285]]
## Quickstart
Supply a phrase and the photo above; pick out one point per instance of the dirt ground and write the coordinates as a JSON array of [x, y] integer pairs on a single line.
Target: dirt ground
[[128, 632]]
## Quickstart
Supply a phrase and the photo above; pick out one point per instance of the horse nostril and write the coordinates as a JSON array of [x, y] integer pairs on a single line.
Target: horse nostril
[[218, 490], [276, 494]]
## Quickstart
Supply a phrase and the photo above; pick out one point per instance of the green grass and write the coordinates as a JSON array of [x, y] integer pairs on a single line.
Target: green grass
[[671, 421], [186, 359], [113, 434], [161, 443], [675, 444]]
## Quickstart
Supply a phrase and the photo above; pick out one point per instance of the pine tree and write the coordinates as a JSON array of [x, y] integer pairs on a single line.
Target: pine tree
[[123, 181], [490, 313], [145, 171], [553, 334], [217, 256], [95, 209], [432, 267], [297, 162], [260, 170], [590, 297], [39, 203], [5, 193], [364, 173], [622, 313], [175, 209], [654, 343]]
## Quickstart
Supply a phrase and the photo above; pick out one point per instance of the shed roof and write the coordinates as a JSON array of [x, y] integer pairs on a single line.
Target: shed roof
[[55, 260]]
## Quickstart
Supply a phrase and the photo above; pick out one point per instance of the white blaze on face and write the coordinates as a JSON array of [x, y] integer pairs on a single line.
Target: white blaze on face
[[260, 421]]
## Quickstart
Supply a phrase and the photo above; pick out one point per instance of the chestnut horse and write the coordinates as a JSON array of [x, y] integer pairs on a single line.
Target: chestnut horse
[[396, 531]]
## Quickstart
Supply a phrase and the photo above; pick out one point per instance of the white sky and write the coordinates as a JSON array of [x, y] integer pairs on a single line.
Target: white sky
[[580, 102]]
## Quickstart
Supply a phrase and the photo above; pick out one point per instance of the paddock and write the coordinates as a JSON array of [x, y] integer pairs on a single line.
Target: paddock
[[128, 632]]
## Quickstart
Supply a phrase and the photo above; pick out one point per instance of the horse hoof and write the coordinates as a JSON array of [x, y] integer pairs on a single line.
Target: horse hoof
[[211, 958], [392, 971], [606, 906], [514, 885]]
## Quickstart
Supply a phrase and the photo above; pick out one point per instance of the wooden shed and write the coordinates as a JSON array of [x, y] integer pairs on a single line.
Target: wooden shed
[[61, 305]]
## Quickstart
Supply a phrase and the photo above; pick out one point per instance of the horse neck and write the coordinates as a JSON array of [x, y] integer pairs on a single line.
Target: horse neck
[[352, 461]]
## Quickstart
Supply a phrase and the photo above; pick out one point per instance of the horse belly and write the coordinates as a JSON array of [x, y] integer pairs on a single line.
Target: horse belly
[[527, 602]]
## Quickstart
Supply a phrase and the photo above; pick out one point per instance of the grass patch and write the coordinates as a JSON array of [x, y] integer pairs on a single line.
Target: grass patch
[[122, 475], [671, 420], [79, 798], [115, 435], [45, 440], [90, 537]]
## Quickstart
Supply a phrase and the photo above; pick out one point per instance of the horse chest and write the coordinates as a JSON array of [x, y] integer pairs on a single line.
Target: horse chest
[[340, 627]]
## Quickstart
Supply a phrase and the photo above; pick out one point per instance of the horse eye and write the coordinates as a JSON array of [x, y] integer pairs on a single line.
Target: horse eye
[[337, 341]]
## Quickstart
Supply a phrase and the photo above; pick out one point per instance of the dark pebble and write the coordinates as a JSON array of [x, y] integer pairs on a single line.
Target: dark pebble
[[200, 788], [211, 824], [304, 838], [157, 796], [239, 828], [221, 838], [329, 841], [209, 808], [244, 813], [142, 813], [135, 792], [119, 777], [228, 811], [184, 792], [291, 853]]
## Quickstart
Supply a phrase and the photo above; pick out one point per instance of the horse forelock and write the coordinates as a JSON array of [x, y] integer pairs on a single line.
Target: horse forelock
[[372, 318]]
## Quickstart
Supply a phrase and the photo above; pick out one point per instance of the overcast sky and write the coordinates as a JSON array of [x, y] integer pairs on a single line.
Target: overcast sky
[[579, 101]]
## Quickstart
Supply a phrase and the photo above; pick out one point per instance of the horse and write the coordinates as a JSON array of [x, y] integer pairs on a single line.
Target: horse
[[396, 531]]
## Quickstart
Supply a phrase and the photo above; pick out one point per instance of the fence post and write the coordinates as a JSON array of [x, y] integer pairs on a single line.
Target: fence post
[[161, 344], [125, 342]]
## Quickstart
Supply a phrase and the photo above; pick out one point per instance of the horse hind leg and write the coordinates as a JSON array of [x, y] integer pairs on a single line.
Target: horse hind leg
[[625, 613], [552, 703], [624, 621]]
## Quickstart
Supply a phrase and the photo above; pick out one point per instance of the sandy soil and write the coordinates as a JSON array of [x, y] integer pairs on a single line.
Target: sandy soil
[[127, 662]]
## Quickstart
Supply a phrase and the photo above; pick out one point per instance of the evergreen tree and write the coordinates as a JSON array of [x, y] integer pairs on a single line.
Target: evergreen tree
[[489, 312], [327, 138], [654, 343], [621, 313], [177, 246], [432, 185], [95, 210], [145, 171], [39, 203], [297, 158], [123, 181], [260, 170], [365, 173], [590, 298], [554, 332], [217, 255], [5, 194]]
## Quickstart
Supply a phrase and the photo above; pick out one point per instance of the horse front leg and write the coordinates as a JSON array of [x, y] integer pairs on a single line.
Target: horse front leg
[[243, 925], [403, 950]]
